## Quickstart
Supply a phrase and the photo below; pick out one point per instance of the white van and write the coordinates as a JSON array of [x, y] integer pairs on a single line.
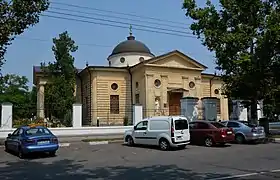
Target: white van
[[163, 131]]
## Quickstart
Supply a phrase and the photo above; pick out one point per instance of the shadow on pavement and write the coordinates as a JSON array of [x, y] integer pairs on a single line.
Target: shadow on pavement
[[70, 170], [153, 147]]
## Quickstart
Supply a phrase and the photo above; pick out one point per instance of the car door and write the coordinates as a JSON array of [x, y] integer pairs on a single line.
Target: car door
[[9, 140], [234, 125], [202, 131], [14, 139], [140, 132], [193, 132]]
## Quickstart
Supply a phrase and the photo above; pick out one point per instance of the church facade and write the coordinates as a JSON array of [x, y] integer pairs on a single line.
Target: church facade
[[134, 76]]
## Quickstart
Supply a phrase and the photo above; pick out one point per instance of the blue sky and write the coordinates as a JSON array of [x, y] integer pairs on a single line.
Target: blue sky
[[34, 45]]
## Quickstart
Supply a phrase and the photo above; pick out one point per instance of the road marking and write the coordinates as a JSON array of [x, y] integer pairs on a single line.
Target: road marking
[[235, 176], [246, 175], [98, 142], [276, 170], [64, 144]]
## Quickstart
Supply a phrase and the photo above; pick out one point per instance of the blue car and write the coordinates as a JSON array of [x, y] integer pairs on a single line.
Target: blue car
[[245, 131], [25, 140]]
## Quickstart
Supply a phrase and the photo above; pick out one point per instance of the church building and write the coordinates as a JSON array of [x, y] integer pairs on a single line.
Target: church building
[[135, 76]]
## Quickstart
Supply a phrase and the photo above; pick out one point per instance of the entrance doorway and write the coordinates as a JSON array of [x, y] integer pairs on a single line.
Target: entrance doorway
[[174, 103]]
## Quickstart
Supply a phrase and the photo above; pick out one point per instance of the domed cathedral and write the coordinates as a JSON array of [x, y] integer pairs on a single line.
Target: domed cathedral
[[168, 84], [129, 53]]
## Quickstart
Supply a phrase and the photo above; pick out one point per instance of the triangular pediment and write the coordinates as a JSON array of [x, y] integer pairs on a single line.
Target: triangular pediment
[[176, 59]]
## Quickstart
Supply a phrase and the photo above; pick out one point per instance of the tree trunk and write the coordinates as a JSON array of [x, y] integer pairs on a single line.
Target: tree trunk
[[254, 112]]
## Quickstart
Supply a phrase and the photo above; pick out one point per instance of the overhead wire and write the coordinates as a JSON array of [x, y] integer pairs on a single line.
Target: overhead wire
[[118, 26], [115, 12], [118, 22], [117, 17], [89, 44]]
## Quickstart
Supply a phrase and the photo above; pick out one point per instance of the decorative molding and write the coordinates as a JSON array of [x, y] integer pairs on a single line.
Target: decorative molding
[[173, 67], [164, 76], [149, 75], [197, 78], [185, 77]]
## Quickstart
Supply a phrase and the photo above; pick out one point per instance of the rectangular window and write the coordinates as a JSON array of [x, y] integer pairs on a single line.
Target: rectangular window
[[137, 99], [181, 124], [114, 104]]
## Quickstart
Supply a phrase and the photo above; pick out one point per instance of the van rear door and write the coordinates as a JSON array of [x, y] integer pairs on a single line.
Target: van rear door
[[181, 130]]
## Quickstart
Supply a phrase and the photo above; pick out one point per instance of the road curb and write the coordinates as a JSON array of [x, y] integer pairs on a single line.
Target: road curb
[[92, 143], [275, 140]]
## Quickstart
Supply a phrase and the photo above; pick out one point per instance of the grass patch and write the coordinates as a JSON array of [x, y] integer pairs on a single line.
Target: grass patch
[[98, 140]]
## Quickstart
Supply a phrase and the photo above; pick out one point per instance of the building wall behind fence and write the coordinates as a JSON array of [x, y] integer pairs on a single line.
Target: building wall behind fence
[[103, 91]]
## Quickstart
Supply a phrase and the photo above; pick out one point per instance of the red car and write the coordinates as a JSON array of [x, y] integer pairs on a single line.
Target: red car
[[210, 133]]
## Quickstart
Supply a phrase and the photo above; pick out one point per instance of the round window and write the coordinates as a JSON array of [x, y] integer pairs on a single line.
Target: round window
[[157, 83], [141, 59], [216, 91], [114, 86], [191, 84], [122, 60]]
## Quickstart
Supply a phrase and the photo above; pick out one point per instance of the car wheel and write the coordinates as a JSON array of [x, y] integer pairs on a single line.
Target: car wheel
[[130, 141], [208, 142], [164, 144], [21, 155], [239, 139], [52, 153]]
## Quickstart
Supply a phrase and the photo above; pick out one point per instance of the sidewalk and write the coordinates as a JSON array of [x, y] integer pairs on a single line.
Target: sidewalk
[[89, 138]]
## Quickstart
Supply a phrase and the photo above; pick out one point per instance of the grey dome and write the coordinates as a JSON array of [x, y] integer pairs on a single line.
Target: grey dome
[[131, 45]]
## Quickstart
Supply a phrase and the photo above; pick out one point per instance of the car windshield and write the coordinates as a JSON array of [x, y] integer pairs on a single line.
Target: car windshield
[[37, 132], [181, 124], [249, 124], [218, 125]]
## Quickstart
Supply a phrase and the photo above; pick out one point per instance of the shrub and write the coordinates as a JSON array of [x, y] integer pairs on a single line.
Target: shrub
[[125, 121]]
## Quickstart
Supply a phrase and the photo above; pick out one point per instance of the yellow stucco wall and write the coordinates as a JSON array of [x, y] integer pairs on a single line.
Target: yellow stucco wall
[[102, 91]]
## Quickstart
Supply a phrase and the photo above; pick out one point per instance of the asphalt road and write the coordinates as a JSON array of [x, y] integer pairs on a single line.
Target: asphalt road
[[117, 162]]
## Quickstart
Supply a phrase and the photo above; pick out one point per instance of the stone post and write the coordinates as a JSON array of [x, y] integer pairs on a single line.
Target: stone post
[[7, 116], [40, 101], [77, 115], [137, 114]]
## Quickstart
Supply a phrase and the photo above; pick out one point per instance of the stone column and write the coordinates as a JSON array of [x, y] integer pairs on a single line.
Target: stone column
[[77, 115], [137, 114], [40, 101], [6, 116]]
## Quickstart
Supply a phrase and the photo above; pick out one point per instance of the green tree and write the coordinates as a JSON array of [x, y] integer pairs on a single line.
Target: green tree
[[239, 35], [15, 17], [14, 89], [59, 91]]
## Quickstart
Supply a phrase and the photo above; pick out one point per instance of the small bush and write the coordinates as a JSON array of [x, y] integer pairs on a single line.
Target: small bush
[[125, 121]]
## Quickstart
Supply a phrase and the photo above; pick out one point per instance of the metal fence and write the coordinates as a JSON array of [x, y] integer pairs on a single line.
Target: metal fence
[[107, 117], [27, 114]]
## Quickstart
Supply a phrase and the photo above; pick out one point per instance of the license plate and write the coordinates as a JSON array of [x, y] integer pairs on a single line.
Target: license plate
[[43, 142], [229, 132], [179, 138]]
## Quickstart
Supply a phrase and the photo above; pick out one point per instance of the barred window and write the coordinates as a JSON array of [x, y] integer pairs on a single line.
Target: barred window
[[218, 106], [114, 104]]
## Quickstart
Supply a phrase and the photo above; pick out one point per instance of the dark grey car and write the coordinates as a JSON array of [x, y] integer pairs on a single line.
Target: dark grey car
[[245, 131]]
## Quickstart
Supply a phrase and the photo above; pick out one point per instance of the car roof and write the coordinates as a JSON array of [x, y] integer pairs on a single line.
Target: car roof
[[28, 127], [163, 118]]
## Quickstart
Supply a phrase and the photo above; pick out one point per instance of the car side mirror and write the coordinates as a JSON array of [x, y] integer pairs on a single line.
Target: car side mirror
[[134, 127], [9, 135]]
